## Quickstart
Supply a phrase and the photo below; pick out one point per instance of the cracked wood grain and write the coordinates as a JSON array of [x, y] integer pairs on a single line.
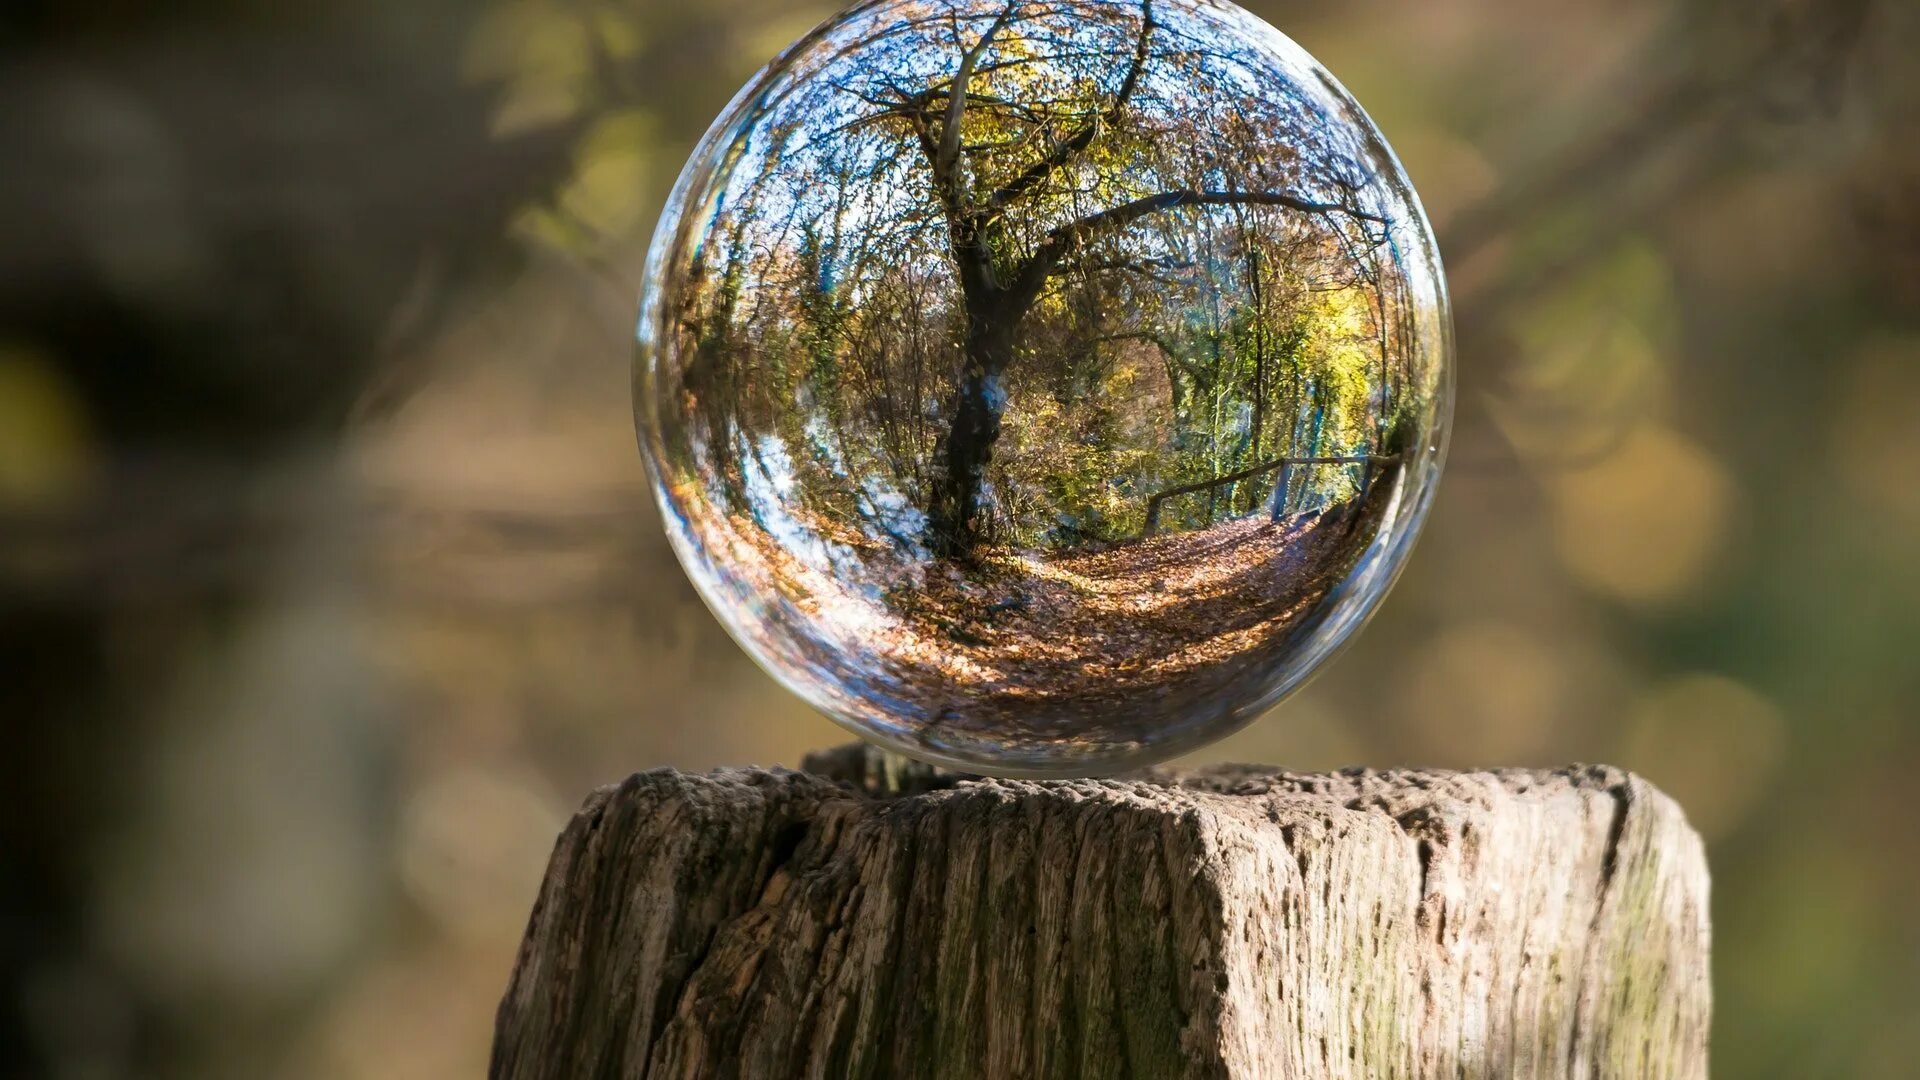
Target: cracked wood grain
[[873, 918]]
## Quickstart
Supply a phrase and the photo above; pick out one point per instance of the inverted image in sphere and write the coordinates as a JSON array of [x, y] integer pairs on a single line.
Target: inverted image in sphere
[[1043, 387]]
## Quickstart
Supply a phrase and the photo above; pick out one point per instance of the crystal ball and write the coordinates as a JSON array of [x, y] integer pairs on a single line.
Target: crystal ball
[[1043, 387]]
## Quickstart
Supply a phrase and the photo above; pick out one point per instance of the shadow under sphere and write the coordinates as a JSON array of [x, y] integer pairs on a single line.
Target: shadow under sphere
[[1043, 387]]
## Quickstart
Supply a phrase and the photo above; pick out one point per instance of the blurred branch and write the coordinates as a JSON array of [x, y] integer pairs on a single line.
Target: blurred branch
[[1663, 153], [188, 529], [1802, 58]]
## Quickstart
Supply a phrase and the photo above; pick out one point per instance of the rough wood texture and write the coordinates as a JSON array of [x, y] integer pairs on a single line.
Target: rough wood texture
[[872, 919]]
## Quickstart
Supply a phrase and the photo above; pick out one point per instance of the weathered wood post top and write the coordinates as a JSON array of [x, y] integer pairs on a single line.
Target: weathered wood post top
[[866, 918]]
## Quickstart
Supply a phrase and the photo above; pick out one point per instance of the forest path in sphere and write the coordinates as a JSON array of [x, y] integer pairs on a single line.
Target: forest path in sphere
[[1043, 649], [1110, 633]]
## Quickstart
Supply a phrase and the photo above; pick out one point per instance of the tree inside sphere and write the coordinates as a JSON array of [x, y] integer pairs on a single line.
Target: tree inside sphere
[[1043, 388]]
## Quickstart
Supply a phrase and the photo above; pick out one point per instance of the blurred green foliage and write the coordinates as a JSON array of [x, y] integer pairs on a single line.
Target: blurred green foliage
[[331, 581]]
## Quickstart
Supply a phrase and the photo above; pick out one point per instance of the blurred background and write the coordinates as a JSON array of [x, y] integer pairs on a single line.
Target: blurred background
[[329, 582]]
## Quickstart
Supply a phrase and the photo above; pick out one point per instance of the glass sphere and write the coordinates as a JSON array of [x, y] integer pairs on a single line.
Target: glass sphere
[[1043, 387]]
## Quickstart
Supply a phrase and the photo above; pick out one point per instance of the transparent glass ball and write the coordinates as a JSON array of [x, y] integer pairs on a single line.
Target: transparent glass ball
[[1043, 387]]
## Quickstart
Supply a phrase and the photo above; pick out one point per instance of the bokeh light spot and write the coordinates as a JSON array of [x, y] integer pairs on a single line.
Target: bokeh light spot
[[46, 454], [1644, 524], [1711, 742], [1485, 692]]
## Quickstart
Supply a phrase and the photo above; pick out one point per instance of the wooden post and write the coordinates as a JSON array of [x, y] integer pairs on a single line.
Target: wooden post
[[871, 918]]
